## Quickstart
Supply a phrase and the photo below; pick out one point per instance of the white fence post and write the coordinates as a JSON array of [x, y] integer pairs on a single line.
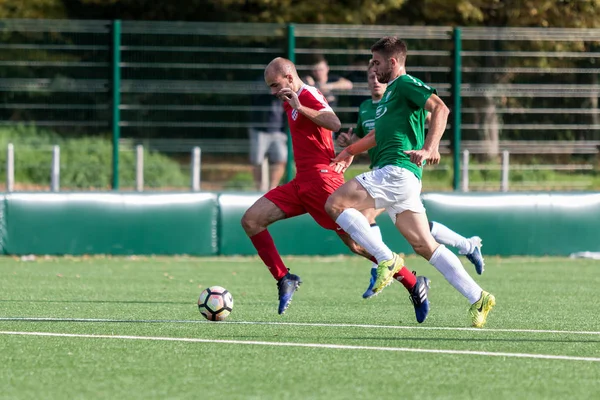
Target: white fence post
[[55, 173], [139, 168], [265, 177], [465, 171], [10, 168], [505, 170], [196, 157]]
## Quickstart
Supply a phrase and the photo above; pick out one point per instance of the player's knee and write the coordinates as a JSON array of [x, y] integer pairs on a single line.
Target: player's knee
[[332, 208], [249, 223], [420, 250], [424, 248]]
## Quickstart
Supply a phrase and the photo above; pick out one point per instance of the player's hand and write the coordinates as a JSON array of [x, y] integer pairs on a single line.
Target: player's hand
[[343, 140], [343, 156], [287, 94], [323, 87], [342, 166], [420, 156], [434, 157]]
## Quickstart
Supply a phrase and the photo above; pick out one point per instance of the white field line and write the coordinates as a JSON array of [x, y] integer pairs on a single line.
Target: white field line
[[309, 324], [310, 345]]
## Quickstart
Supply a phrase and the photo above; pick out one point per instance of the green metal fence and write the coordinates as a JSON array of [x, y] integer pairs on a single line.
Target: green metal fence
[[56, 74], [173, 86], [533, 92]]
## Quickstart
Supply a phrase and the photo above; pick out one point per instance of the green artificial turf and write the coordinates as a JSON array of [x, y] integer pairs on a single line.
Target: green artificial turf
[[545, 306]]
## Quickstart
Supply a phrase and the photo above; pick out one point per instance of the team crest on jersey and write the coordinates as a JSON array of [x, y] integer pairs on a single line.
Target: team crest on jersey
[[294, 114], [380, 111]]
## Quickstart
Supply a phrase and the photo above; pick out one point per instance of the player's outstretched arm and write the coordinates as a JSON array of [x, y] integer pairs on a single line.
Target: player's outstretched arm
[[340, 84], [362, 145]]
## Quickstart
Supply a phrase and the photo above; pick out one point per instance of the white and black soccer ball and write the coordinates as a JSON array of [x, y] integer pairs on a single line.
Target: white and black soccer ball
[[215, 303]]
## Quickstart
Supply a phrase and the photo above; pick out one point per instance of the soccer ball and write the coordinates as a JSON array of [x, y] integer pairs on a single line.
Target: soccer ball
[[215, 303]]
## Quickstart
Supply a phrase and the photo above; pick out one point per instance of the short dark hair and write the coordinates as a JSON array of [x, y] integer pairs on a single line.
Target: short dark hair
[[317, 59], [370, 66], [391, 46]]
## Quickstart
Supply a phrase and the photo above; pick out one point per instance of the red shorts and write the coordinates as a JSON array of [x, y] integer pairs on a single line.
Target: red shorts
[[307, 196]]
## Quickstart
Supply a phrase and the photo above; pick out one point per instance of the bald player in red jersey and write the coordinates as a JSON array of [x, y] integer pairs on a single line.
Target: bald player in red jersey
[[311, 121]]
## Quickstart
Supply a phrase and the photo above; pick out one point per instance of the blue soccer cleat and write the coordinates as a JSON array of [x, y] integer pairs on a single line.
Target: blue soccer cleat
[[370, 293], [475, 256], [287, 286], [419, 298]]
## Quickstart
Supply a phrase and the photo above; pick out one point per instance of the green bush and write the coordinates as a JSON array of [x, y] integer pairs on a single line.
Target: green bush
[[240, 181], [85, 162]]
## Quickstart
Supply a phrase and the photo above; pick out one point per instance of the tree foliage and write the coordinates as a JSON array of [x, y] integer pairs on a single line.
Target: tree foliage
[[32, 9], [325, 11], [515, 13], [278, 11]]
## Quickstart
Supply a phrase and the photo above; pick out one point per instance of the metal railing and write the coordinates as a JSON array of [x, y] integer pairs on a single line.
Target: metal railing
[[55, 166], [171, 86]]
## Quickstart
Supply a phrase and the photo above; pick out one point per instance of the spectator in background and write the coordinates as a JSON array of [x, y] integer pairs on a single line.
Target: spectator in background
[[268, 138], [326, 82], [357, 74]]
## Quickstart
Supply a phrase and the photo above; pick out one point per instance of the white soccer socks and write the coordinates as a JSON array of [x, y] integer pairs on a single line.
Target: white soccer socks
[[444, 235], [450, 266], [376, 232], [357, 226]]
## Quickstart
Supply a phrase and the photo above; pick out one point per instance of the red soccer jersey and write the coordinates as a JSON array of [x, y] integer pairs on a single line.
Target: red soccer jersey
[[312, 144]]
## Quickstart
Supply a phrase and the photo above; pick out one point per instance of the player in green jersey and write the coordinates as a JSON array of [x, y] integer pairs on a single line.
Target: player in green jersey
[[395, 181], [470, 247]]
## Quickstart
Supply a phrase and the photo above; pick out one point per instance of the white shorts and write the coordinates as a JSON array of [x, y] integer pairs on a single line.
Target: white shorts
[[394, 188], [270, 145]]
